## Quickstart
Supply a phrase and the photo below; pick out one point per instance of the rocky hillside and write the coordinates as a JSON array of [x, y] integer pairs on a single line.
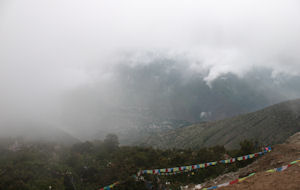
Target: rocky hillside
[[271, 125], [282, 154]]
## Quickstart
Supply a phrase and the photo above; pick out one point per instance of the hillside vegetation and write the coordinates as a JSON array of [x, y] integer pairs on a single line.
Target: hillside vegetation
[[92, 165], [269, 126]]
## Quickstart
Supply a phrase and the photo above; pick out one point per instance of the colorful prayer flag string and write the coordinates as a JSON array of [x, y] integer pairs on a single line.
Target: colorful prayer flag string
[[280, 169], [203, 165], [109, 187], [177, 170]]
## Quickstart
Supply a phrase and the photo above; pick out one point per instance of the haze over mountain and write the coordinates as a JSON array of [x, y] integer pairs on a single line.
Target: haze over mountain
[[164, 90], [144, 66], [34, 132]]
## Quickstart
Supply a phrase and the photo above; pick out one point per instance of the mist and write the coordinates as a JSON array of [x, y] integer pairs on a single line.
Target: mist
[[95, 67]]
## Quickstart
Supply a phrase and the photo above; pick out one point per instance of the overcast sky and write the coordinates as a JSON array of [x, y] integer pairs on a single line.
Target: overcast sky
[[50, 46]]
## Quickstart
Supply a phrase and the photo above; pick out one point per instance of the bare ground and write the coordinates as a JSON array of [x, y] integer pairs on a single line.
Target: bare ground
[[281, 155]]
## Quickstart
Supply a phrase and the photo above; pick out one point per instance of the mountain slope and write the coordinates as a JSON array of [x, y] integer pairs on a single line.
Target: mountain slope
[[166, 90], [270, 126], [281, 155]]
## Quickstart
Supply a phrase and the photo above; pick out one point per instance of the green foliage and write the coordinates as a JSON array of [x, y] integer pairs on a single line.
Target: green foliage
[[247, 147], [92, 165], [111, 142]]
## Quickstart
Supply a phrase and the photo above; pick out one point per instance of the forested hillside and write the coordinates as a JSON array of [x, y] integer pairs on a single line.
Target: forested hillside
[[92, 165]]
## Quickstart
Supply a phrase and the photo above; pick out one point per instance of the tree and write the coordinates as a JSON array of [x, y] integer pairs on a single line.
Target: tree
[[111, 142], [247, 147], [82, 148]]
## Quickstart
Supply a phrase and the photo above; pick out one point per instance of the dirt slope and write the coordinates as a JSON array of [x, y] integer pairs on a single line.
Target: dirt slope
[[287, 180], [281, 155]]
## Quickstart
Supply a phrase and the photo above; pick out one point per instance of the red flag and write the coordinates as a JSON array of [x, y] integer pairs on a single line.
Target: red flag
[[233, 182]]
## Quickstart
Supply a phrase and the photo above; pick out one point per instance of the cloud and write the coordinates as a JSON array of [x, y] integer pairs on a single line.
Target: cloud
[[225, 35], [49, 47]]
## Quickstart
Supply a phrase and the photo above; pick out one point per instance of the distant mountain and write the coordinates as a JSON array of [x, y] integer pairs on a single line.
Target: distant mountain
[[35, 132], [166, 90], [269, 126]]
